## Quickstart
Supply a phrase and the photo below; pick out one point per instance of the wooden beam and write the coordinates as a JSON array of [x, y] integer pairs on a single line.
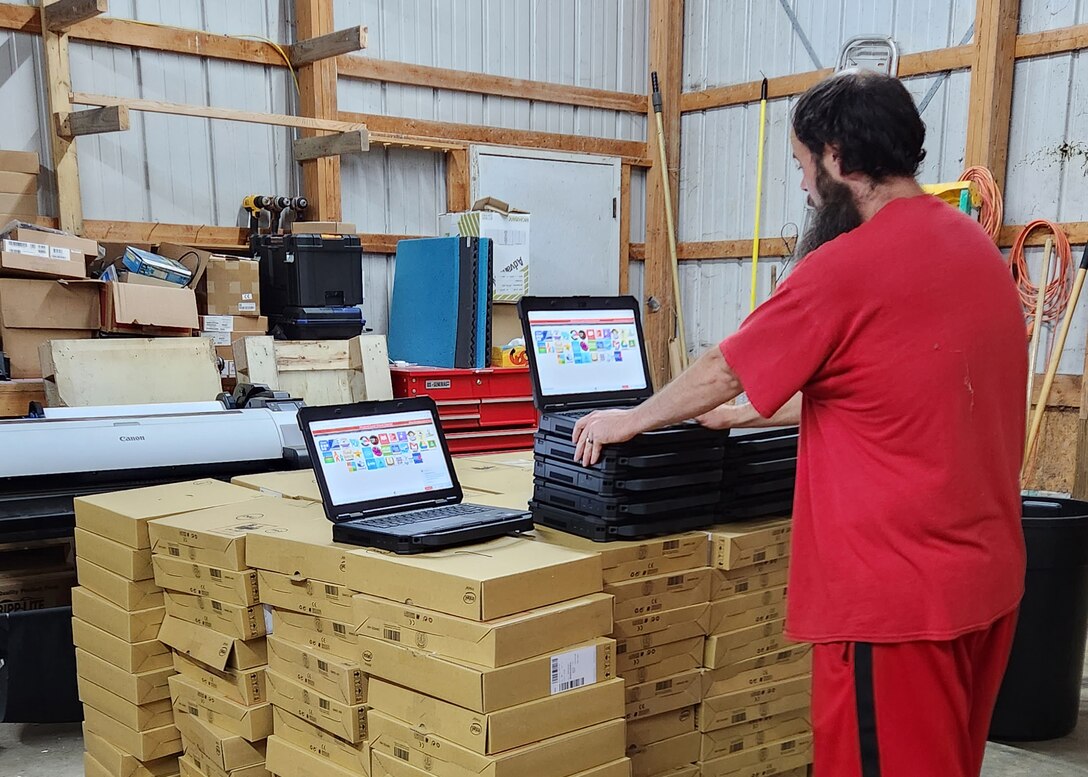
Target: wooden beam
[[1065, 392], [354, 142], [1079, 489], [400, 140], [20, 18], [317, 100], [64, 14], [1076, 231], [990, 102], [625, 229], [1040, 44], [731, 249], [58, 79], [327, 46], [225, 114], [458, 185], [92, 122], [637, 252], [16, 396]]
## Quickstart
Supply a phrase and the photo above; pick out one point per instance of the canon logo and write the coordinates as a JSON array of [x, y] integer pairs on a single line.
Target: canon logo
[[138, 438]]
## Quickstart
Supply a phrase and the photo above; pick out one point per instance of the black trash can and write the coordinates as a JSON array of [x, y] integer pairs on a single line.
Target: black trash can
[[1040, 695]]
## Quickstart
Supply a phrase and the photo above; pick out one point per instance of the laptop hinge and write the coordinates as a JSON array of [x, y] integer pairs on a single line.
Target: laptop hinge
[[591, 404], [423, 504]]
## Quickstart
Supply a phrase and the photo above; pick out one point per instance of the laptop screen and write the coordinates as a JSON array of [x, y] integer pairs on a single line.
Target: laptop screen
[[586, 351], [382, 456]]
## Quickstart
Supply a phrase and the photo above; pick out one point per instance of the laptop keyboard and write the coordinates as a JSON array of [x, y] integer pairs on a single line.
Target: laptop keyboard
[[430, 514]]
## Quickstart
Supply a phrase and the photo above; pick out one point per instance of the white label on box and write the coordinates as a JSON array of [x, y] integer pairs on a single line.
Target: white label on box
[[39, 250], [247, 307], [247, 296], [217, 324], [60, 254], [218, 338], [574, 669]]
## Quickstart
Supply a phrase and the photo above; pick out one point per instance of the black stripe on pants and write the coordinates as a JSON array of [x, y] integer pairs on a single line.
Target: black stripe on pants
[[866, 701]]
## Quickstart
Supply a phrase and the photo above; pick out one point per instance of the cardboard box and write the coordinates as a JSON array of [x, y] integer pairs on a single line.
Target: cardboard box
[[247, 325], [126, 562], [148, 263], [322, 228], [742, 644], [509, 233], [233, 620], [554, 757], [333, 637], [252, 723], [486, 581], [144, 745], [774, 757], [218, 651], [224, 585], [662, 621], [117, 763], [630, 560], [291, 761], [675, 633], [347, 721], [738, 612], [325, 674], [231, 287], [488, 643], [660, 757], [131, 595], [303, 551], [715, 744], [138, 717], [19, 161], [736, 545], [129, 306], [770, 668], [689, 650], [660, 585], [485, 689], [505, 729], [33, 312], [24, 593], [312, 597], [206, 766], [297, 484], [141, 688], [135, 657], [691, 588], [388, 766], [122, 516], [732, 582], [230, 751], [34, 557], [659, 696], [662, 669], [296, 731], [247, 687], [754, 703], [655, 728], [76, 245], [18, 183], [691, 770], [20, 259], [129, 626], [19, 204]]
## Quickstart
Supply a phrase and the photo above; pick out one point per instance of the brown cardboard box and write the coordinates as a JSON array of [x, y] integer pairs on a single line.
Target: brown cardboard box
[[295, 731], [388, 766], [250, 723], [347, 721], [35, 311], [124, 276], [655, 728], [738, 612], [742, 644], [732, 582], [690, 651], [126, 562], [489, 580], [19, 204], [230, 751], [503, 729], [762, 701], [117, 763], [18, 183], [780, 756], [629, 560], [142, 688], [325, 674], [660, 696], [691, 770], [662, 621], [485, 689], [660, 585], [207, 766], [322, 228], [321, 634], [131, 595], [715, 744], [34, 557], [36, 592], [312, 597], [247, 687], [675, 633], [554, 757], [218, 651], [227, 285], [769, 668], [76, 245], [303, 551], [134, 657], [122, 516], [737, 545], [129, 626], [19, 161], [144, 745], [130, 306], [488, 643], [297, 484], [138, 717], [224, 585], [288, 760], [27, 265], [661, 670], [667, 600], [660, 757], [233, 620]]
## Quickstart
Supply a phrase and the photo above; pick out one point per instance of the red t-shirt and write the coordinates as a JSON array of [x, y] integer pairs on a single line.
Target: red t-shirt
[[906, 338]]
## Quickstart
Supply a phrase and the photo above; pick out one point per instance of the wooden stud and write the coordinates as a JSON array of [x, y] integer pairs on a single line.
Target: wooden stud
[[457, 181], [317, 100], [327, 46], [64, 14], [625, 229], [1040, 44], [58, 79], [990, 103], [1079, 489], [354, 142], [93, 122], [1076, 231]]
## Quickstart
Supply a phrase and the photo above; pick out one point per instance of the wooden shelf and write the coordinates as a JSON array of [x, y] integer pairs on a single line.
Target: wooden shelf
[[16, 396]]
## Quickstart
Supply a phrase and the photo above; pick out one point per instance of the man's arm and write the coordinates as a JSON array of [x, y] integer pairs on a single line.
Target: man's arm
[[746, 417]]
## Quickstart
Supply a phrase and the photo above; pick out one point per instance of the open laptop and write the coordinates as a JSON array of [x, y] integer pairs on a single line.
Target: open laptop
[[387, 480]]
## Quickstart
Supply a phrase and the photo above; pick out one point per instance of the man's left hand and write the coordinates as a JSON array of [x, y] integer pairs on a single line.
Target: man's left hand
[[604, 427]]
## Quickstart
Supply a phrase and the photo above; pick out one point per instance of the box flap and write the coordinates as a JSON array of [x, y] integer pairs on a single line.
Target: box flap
[[27, 304], [138, 305], [496, 205]]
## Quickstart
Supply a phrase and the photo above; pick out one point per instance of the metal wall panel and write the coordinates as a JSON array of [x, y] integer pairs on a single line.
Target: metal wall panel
[[1040, 15], [21, 71]]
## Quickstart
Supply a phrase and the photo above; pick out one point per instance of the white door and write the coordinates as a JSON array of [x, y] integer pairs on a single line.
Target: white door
[[574, 232]]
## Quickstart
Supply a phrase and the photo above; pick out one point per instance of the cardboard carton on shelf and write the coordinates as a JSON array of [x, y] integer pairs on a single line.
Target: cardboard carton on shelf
[[132, 657], [224, 585], [744, 644], [770, 668], [245, 686], [34, 311], [313, 597], [20, 204], [139, 688], [659, 696], [347, 721], [138, 717], [130, 563], [144, 745], [715, 744], [387, 766], [290, 760], [655, 728], [748, 579], [216, 650], [137, 308], [127, 625], [326, 674], [18, 183], [251, 723], [39, 260], [749, 609], [130, 595], [662, 621], [302, 550], [630, 559], [779, 756], [229, 285], [115, 761], [321, 634], [19, 162], [661, 756], [297, 484], [295, 731], [231, 751], [743, 544], [235, 620]]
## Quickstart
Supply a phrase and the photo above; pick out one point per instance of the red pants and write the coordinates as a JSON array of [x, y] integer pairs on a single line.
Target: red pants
[[914, 709]]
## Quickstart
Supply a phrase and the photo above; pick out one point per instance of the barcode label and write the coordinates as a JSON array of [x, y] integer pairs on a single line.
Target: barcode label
[[664, 685], [174, 551], [193, 710], [322, 666], [217, 574], [325, 704], [739, 717], [671, 545], [393, 635], [788, 746], [674, 580], [339, 628], [735, 746], [247, 307], [400, 752], [760, 555], [573, 669], [331, 590], [741, 587], [217, 606]]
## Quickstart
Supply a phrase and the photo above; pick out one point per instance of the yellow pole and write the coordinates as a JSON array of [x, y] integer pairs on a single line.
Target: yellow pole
[[759, 189]]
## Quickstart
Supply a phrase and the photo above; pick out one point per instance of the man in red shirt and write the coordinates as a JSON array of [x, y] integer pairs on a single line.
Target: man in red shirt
[[898, 345]]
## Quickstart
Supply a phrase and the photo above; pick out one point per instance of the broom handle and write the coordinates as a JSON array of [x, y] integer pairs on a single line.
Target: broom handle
[[1040, 301], [759, 190]]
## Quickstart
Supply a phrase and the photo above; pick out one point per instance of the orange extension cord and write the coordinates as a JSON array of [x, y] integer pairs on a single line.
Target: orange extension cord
[[992, 211], [1057, 290]]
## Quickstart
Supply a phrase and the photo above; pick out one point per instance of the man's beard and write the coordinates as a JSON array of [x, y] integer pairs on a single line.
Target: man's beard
[[837, 214]]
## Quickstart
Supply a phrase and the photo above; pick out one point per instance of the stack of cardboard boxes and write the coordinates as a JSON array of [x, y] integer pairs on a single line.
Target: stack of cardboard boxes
[[18, 186], [124, 670], [755, 714]]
